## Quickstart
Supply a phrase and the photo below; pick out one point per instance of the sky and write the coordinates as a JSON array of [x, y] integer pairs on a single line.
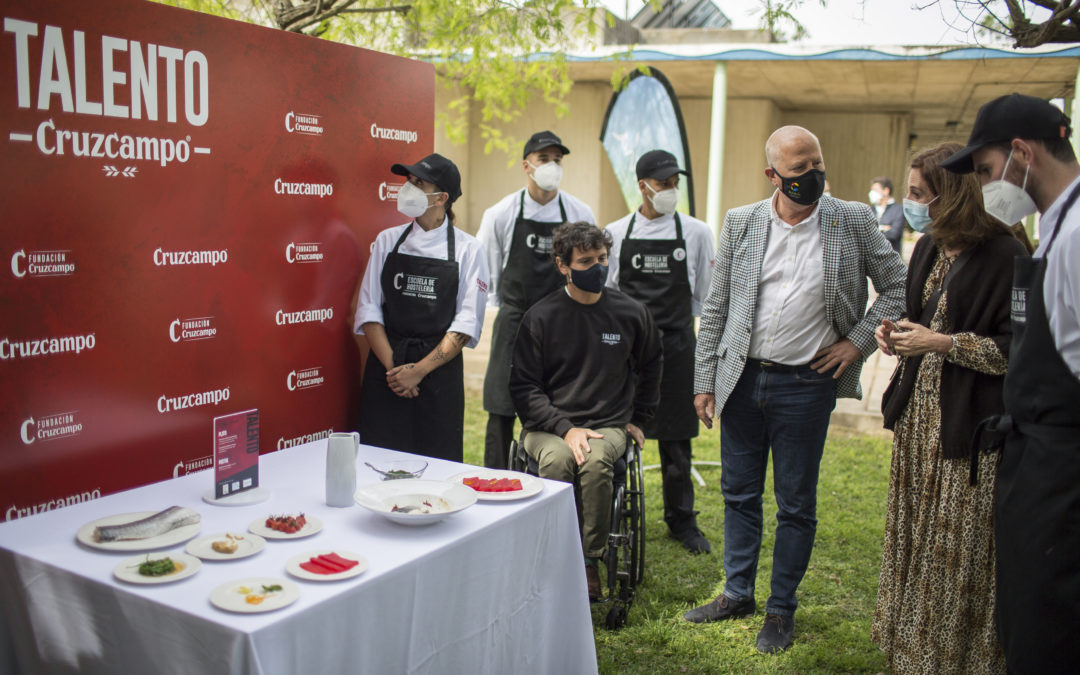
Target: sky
[[856, 22]]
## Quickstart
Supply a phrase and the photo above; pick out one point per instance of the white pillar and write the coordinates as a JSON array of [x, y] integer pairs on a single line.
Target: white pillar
[[713, 215], [1074, 114]]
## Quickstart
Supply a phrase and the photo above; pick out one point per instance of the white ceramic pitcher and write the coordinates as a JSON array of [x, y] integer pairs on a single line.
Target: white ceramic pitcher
[[341, 451]]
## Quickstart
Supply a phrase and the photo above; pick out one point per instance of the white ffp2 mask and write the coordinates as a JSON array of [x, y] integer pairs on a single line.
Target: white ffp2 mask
[[1006, 201], [412, 201], [547, 176], [665, 201]]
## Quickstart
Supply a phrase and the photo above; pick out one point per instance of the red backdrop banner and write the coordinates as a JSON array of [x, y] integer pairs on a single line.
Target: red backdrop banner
[[186, 208]]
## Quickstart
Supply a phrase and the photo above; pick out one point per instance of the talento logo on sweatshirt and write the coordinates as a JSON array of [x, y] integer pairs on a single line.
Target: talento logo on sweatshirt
[[611, 338]]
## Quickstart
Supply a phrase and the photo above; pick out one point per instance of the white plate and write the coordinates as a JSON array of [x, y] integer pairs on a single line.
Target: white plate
[[230, 598], [446, 496], [203, 546], [293, 566], [85, 535], [530, 485], [259, 527], [128, 570]]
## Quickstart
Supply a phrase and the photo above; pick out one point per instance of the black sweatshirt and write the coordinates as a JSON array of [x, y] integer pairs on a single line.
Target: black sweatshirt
[[588, 366]]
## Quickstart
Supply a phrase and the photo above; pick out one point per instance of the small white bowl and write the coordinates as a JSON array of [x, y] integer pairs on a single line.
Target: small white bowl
[[401, 469], [413, 501]]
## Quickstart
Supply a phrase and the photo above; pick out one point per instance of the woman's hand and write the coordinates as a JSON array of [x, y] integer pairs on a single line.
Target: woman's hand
[[914, 339], [883, 335], [404, 380]]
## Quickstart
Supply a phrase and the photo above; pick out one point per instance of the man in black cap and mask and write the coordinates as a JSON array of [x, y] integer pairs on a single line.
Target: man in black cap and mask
[[1019, 148], [663, 259], [783, 333], [516, 236]]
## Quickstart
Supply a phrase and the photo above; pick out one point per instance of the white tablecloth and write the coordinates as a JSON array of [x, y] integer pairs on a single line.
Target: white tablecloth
[[496, 588]]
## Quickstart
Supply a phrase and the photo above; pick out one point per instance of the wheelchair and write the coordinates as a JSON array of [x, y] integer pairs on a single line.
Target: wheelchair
[[624, 558]]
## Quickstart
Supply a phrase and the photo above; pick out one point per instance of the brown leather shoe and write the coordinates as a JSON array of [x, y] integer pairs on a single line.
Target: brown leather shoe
[[592, 578]]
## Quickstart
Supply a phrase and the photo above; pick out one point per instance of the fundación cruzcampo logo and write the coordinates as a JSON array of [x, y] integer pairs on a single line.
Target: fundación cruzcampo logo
[[388, 191], [187, 466], [304, 123], [136, 81], [305, 252], [189, 330], [50, 427], [42, 263], [306, 378]]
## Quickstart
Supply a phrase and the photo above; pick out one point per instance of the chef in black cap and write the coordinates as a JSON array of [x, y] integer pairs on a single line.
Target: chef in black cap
[[663, 259], [421, 301], [516, 236], [1021, 152]]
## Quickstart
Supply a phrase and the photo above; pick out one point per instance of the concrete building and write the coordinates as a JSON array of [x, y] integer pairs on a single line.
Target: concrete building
[[870, 107]]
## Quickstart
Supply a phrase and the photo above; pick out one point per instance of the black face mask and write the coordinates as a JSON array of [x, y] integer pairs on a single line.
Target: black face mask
[[805, 189], [591, 280]]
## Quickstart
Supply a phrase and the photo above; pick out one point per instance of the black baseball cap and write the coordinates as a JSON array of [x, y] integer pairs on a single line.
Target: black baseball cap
[[658, 164], [1006, 118], [434, 169], [541, 140]]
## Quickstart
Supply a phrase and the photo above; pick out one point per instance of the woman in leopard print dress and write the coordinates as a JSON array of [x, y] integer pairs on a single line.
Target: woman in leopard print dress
[[935, 606]]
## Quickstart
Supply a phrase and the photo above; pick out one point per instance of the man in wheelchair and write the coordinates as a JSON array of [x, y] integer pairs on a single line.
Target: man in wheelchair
[[585, 372]]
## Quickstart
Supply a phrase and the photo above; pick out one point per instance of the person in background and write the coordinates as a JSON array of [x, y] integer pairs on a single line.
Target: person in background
[[663, 259], [421, 301], [1020, 151], [586, 372], [783, 333], [516, 235], [890, 215], [935, 606]]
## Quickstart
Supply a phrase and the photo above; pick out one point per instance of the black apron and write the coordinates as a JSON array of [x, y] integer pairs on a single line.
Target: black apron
[[655, 273], [529, 274], [1037, 498], [419, 304]]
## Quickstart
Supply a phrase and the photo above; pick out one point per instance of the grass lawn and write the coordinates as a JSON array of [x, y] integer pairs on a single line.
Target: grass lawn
[[836, 598]]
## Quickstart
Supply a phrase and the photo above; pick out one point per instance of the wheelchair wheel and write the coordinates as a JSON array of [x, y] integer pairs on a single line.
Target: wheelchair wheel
[[616, 617], [620, 560], [636, 515]]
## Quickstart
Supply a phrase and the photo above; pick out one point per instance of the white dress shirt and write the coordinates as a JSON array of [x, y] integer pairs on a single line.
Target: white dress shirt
[[472, 275], [1061, 287], [699, 249], [789, 322], [497, 227]]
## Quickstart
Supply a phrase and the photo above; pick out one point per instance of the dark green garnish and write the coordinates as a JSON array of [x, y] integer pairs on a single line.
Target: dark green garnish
[[271, 589], [157, 568], [398, 473]]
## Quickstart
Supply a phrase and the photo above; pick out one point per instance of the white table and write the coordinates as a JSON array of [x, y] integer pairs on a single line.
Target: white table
[[496, 588]]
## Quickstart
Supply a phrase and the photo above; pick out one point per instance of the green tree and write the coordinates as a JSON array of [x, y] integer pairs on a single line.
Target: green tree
[[485, 51]]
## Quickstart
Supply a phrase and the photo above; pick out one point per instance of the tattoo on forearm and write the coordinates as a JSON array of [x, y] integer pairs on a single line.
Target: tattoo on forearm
[[459, 338]]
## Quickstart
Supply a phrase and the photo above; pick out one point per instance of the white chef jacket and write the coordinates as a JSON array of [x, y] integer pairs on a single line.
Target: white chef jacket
[[790, 324], [473, 280], [1061, 286], [699, 249], [497, 227]]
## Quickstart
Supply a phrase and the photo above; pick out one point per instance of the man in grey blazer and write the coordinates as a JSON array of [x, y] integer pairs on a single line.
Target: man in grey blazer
[[784, 331]]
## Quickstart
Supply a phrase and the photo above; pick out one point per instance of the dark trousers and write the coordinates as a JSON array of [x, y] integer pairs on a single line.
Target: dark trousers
[[787, 413], [500, 431], [679, 513]]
